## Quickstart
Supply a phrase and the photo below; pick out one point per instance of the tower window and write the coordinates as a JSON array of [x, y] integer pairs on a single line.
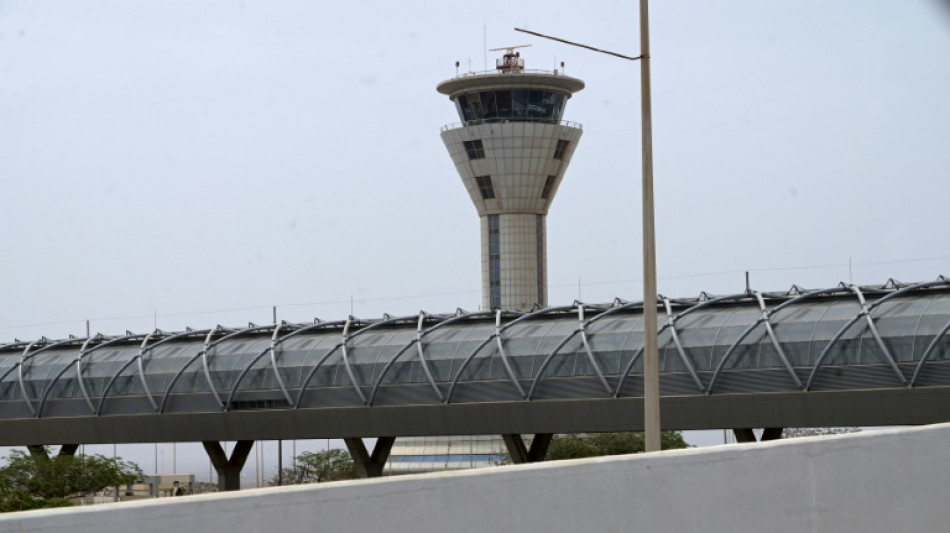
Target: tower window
[[560, 149], [484, 186], [475, 149], [539, 254], [546, 191]]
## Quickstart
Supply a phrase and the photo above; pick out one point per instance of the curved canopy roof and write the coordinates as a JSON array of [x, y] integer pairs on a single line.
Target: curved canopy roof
[[845, 337], [846, 355]]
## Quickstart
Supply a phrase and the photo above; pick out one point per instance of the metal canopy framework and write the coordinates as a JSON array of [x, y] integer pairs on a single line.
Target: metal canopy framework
[[743, 350]]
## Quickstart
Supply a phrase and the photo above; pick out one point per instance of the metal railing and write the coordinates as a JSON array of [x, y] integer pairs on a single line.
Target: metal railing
[[456, 125], [496, 72]]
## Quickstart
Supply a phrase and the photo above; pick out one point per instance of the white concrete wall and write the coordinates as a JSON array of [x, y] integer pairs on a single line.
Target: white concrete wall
[[876, 481]]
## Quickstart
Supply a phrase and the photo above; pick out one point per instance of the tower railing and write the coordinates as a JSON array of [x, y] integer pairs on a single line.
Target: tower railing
[[456, 125], [495, 72]]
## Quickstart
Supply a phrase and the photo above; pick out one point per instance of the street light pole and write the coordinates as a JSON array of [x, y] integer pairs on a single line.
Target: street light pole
[[651, 361], [651, 364]]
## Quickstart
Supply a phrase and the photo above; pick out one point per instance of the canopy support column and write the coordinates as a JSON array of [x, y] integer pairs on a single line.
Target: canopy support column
[[370, 465], [519, 453], [38, 451], [228, 469], [747, 435]]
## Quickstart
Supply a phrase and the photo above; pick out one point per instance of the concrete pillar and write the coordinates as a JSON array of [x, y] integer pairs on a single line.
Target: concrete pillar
[[228, 468], [370, 465], [153, 483]]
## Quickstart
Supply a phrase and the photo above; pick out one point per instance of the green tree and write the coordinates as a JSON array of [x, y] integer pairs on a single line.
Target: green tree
[[202, 487], [28, 482], [317, 467], [792, 433], [575, 446]]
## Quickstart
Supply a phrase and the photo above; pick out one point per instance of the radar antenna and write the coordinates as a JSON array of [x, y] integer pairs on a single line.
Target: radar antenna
[[509, 49], [510, 61]]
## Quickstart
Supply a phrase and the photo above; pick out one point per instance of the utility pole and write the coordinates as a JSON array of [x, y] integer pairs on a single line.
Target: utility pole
[[651, 364]]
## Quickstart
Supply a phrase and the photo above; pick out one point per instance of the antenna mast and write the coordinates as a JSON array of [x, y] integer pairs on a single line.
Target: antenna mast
[[485, 44]]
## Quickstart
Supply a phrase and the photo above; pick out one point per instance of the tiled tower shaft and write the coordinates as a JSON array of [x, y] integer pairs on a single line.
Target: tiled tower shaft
[[512, 171]]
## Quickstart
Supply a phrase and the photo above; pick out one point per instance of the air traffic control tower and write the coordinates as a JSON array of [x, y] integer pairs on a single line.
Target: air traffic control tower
[[511, 150]]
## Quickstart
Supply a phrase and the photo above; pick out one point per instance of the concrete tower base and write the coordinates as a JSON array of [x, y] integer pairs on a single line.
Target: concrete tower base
[[514, 270]]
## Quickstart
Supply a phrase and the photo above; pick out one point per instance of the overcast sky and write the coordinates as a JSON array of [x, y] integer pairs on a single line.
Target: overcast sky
[[197, 162]]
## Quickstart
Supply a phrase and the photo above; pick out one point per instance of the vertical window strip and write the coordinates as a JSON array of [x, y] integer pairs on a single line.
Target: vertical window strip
[[494, 262], [560, 149], [539, 240]]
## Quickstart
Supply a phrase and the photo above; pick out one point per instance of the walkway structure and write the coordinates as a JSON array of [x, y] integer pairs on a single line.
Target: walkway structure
[[846, 355]]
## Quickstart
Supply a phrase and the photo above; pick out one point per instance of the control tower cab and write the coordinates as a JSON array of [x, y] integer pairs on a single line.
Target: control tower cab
[[511, 150]]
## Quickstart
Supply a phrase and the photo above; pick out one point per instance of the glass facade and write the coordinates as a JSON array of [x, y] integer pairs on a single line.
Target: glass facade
[[428, 454], [517, 104], [539, 243], [476, 459]]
